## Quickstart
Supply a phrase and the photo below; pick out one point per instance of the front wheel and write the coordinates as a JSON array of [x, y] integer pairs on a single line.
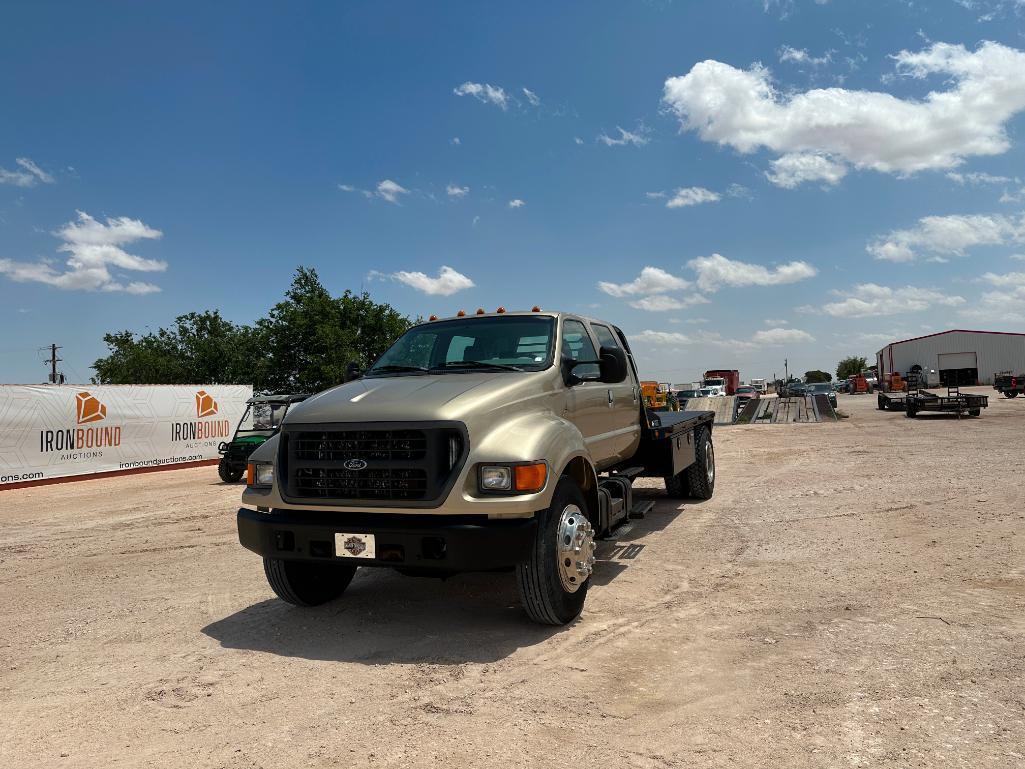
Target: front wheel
[[306, 583], [1011, 393], [553, 582], [975, 412], [228, 473], [701, 475]]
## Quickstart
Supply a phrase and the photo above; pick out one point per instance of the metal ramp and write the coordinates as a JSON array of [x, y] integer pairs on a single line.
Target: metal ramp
[[803, 409], [725, 408]]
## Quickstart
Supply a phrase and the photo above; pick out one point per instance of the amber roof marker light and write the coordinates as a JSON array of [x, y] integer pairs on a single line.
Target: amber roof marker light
[[500, 310], [433, 317], [535, 308], [461, 314]]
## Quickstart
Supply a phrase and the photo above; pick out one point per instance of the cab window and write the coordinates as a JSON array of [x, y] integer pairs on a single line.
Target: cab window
[[605, 336], [576, 344]]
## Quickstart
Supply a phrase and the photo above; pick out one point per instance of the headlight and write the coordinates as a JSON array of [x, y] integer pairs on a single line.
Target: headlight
[[525, 478], [496, 479], [260, 475]]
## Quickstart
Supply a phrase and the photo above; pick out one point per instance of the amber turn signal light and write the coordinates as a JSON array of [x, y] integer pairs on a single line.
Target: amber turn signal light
[[530, 477], [250, 474]]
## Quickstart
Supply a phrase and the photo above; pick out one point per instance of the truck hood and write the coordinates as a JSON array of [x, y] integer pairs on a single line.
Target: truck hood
[[416, 398]]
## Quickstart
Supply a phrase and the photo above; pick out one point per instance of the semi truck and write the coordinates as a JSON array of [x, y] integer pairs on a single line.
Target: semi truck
[[727, 379], [494, 441]]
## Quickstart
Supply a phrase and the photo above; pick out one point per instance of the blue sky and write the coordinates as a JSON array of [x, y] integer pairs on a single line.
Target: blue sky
[[801, 179]]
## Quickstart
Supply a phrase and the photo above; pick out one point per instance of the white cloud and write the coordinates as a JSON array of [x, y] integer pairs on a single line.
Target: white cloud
[[94, 248], [448, 282], [455, 141], [739, 191], [532, 97], [867, 129], [637, 139], [662, 337], [29, 174], [948, 235], [665, 303], [652, 280], [869, 300], [1006, 305], [716, 271], [976, 178], [1018, 257], [796, 168], [455, 191], [485, 92], [1013, 197], [780, 336], [776, 322], [801, 56], [577, 140], [691, 196], [390, 190], [516, 203]]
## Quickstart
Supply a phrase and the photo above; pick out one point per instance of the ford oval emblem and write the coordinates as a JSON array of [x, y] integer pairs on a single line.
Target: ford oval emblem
[[355, 464]]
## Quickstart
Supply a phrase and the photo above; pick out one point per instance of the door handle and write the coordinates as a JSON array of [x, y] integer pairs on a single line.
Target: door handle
[[612, 399]]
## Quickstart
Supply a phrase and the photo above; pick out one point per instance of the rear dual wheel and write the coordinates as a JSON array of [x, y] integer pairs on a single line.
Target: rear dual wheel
[[698, 480]]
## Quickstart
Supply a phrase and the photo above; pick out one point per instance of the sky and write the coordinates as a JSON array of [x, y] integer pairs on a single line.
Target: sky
[[734, 183]]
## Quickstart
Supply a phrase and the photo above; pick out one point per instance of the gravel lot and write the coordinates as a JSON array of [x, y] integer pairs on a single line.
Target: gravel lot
[[854, 595]]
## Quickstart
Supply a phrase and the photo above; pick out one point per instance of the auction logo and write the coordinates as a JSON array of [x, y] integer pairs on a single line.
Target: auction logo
[[203, 427], [88, 409], [206, 406]]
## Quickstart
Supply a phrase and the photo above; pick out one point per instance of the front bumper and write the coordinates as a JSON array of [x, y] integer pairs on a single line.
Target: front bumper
[[420, 542]]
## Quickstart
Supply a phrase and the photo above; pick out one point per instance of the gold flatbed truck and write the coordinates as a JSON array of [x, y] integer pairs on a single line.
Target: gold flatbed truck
[[506, 440]]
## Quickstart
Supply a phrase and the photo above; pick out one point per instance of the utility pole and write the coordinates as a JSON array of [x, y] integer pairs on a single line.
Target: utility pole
[[786, 370], [54, 360]]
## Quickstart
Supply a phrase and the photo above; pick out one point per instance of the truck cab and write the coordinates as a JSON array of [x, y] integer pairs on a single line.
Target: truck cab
[[486, 441]]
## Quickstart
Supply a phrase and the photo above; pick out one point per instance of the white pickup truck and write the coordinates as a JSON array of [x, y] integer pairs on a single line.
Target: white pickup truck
[[492, 441]]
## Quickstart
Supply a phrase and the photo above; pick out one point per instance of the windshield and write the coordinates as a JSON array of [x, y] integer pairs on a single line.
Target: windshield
[[821, 388], [706, 391], [262, 417], [687, 394], [511, 343], [714, 382]]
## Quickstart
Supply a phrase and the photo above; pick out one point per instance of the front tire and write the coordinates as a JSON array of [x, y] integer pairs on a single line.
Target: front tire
[[701, 475], [228, 473], [306, 583], [553, 582], [1011, 393]]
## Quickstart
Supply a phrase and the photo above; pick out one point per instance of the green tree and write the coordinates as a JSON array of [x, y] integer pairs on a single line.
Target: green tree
[[304, 344], [815, 376], [200, 348], [311, 336], [850, 366]]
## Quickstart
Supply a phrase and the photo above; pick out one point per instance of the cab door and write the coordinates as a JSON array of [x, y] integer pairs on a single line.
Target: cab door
[[623, 404], [586, 402]]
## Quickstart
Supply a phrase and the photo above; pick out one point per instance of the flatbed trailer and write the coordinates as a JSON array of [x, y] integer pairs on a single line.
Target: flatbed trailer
[[955, 402], [892, 401]]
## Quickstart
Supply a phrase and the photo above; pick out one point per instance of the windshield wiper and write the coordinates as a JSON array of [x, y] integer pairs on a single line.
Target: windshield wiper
[[397, 369], [453, 364]]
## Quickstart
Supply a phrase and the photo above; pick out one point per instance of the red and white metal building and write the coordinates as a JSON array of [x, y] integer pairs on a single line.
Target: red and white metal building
[[957, 356]]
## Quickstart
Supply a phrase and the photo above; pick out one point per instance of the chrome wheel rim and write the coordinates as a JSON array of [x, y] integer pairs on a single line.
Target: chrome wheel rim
[[576, 548], [710, 462]]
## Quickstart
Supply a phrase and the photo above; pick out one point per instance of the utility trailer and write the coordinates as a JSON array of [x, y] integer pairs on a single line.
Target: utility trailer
[[955, 402], [891, 401]]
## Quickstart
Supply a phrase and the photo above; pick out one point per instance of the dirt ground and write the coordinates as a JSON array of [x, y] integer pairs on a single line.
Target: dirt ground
[[854, 595]]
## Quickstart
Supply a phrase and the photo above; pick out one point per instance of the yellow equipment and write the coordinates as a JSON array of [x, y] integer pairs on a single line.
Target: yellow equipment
[[658, 397]]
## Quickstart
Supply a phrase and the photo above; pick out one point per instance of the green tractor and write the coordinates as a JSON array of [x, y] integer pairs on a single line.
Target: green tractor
[[262, 419]]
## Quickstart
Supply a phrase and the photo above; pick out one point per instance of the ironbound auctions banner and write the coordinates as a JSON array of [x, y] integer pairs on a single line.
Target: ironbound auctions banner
[[49, 431]]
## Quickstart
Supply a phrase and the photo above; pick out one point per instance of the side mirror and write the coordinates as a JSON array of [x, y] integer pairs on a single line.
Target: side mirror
[[352, 371], [613, 364]]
